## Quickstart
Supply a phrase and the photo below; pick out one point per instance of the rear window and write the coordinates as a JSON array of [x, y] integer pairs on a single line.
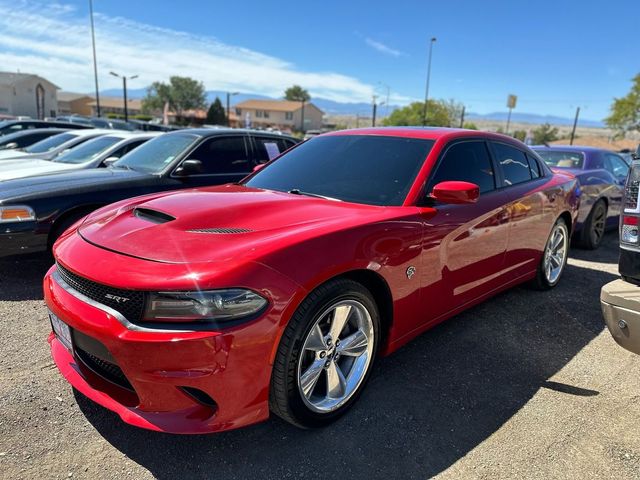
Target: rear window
[[368, 169], [50, 143], [562, 159]]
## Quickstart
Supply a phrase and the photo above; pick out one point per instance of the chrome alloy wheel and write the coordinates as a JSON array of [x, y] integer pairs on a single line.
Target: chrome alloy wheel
[[336, 356], [555, 255]]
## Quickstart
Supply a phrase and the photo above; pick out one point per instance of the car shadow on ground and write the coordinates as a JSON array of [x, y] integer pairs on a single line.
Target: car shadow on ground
[[21, 276], [425, 407]]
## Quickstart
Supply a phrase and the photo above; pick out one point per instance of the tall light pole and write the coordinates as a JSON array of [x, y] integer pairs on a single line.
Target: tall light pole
[[95, 62], [575, 124], [426, 94], [124, 88], [229, 95]]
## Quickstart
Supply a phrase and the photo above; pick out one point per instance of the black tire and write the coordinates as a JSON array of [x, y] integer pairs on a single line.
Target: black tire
[[285, 398], [541, 282], [62, 225], [594, 227]]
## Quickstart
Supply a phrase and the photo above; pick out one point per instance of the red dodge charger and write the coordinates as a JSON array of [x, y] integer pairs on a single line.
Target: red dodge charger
[[204, 310]]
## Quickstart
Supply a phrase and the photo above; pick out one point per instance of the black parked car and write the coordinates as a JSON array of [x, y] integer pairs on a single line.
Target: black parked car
[[25, 138], [12, 126], [35, 211]]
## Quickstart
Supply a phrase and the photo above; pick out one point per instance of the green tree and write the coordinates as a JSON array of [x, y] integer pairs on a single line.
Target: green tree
[[296, 94], [216, 114], [470, 126], [625, 111], [438, 114], [545, 133], [520, 135], [180, 94]]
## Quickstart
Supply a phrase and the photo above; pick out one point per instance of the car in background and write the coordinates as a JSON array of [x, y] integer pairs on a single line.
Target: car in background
[[12, 126], [203, 310], [53, 146], [79, 119], [94, 153], [25, 138], [620, 299], [112, 123], [44, 206], [601, 174]]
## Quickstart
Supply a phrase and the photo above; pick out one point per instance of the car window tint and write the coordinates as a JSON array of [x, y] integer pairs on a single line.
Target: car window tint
[[514, 164], [534, 166], [50, 143], [560, 159], [223, 155], [467, 162], [269, 148], [616, 165], [128, 147]]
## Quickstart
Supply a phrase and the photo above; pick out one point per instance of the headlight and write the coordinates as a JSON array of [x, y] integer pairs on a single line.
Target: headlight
[[212, 305], [18, 213]]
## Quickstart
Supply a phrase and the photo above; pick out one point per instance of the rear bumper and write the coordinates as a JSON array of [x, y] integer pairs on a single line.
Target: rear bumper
[[620, 302], [19, 238]]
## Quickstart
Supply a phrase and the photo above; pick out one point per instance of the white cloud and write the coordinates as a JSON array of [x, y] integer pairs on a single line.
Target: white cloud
[[53, 40], [382, 48]]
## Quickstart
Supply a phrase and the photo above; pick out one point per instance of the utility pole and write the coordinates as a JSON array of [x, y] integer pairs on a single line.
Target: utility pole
[[575, 124], [511, 104], [124, 88], [373, 115], [462, 117], [229, 95], [426, 94], [95, 62], [302, 118]]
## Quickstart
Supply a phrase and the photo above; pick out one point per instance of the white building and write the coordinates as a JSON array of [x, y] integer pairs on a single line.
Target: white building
[[24, 94]]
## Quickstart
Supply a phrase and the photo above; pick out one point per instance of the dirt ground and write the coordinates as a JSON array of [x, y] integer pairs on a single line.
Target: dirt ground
[[527, 385]]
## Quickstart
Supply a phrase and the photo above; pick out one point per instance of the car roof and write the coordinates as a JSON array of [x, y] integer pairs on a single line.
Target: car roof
[[427, 133], [31, 131], [124, 134], [570, 148], [212, 132], [91, 131]]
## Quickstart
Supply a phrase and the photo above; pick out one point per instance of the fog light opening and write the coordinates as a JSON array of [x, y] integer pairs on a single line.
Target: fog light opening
[[201, 397]]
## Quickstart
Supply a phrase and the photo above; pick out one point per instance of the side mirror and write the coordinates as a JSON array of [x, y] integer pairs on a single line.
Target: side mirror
[[258, 167], [9, 146], [456, 192], [189, 167], [107, 162]]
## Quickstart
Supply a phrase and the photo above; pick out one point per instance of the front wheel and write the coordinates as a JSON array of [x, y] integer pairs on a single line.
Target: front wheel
[[554, 257], [325, 355]]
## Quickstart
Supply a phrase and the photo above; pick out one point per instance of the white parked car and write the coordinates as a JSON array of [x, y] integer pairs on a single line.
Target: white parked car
[[53, 146], [97, 152]]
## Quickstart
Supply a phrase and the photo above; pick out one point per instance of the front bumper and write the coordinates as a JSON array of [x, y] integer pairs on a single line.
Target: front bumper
[[165, 368], [620, 302], [19, 238]]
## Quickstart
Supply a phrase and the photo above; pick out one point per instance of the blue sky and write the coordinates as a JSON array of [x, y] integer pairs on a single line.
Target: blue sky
[[555, 55]]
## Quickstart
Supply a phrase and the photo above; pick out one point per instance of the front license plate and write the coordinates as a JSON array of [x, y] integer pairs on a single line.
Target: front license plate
[[61, 329]]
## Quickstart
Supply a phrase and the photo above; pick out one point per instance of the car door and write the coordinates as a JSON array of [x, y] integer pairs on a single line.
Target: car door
[[464, 245], [530, 207], [619, 169], [224, 159]]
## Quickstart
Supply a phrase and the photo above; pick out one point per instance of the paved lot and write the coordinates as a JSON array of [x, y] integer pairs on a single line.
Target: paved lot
[[527, 385]]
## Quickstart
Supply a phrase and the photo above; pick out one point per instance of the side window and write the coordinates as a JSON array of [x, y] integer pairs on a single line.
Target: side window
[[514, 164], [222, 155], [127, 148], [468, 162], [269, 148], [616, 165], [534, 166]]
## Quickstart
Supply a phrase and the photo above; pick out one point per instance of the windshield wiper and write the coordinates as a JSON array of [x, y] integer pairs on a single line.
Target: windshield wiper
[[297, 191]]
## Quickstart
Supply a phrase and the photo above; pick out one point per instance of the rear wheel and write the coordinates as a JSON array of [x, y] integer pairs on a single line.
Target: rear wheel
[[325, 355], [554, 257], [594, 226]]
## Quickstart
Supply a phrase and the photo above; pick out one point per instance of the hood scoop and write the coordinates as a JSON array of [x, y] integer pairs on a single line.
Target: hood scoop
[[153, 216], [220, 231]]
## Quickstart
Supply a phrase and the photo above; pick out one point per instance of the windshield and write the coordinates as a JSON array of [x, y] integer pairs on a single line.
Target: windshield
[[50, 143], [374, 170], [555, 158], [88, 151], [154, 156]]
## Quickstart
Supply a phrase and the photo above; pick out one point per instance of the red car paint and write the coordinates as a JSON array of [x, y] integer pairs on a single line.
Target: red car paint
[[462, 254]]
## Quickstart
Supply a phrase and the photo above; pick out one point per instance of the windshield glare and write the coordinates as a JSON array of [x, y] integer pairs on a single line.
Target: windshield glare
[[156, 154], [555, 158], [50, 143], [87, 151], [368, 169]]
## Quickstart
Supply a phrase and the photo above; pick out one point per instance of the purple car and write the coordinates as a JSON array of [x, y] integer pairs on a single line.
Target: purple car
[[601, 174]]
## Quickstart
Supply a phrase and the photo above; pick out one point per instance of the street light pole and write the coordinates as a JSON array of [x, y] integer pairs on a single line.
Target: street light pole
[[575, 124], [95, 62], [124, 88], [426, 94], [229, 95]]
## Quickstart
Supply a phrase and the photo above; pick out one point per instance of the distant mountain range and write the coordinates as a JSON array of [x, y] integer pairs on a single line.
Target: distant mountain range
[[364, 109]]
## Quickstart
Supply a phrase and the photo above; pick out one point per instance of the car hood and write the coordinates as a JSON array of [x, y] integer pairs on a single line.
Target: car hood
[[218, 224], [95, 179], [27, 167], [12, 153]]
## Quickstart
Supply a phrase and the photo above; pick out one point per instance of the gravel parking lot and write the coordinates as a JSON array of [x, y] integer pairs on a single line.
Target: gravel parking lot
[[527, 385]]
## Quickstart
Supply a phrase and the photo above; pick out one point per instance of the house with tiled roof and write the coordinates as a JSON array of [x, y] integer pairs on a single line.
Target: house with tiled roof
[[280, 114]]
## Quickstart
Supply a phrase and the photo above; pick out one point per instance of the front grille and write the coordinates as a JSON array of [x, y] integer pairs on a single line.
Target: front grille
[[107, 370], [130, 303]]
